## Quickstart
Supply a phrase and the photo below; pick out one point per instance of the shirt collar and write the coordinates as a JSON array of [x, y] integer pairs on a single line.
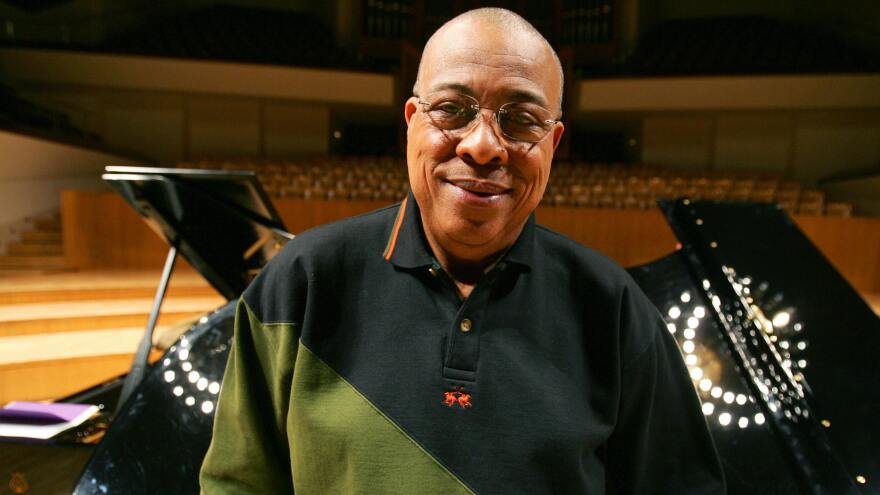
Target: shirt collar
[[408, 248], [523, 250]]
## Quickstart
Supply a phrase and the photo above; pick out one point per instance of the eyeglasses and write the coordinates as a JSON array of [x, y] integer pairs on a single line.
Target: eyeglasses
[[518, 121]]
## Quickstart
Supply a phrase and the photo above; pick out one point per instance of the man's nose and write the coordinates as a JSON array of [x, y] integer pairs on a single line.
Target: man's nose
[[481, 144]]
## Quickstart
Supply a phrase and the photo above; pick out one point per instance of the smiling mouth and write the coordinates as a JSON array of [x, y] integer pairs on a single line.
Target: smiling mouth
[[480, 188]]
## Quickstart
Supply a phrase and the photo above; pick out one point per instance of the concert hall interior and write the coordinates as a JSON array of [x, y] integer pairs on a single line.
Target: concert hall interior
[[722, 102]]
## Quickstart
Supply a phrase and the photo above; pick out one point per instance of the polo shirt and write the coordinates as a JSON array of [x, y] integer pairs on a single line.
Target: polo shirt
[[357, 368]]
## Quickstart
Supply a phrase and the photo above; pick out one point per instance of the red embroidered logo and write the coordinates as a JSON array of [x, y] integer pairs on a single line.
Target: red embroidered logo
[[457, 396]]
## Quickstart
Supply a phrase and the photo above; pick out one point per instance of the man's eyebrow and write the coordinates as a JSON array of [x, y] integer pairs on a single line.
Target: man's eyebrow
[[528, 97], [461, 88]]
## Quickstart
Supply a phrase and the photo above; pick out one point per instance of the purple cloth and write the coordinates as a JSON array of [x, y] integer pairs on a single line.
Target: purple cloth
[[40, 412]]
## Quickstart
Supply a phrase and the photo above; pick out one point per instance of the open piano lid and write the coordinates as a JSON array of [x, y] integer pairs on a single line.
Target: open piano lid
[[220, 221], [781, 348], [743, 261]]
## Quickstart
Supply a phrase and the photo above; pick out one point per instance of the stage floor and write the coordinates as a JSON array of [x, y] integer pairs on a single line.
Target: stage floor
[[63, 332]]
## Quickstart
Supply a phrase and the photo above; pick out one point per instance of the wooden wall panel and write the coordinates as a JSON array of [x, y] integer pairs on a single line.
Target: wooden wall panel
[[101, 231], [303, 214], [630, 237], [852, 245]]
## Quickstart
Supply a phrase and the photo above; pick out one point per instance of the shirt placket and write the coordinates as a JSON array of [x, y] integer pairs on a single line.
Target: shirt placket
[[462, 354]]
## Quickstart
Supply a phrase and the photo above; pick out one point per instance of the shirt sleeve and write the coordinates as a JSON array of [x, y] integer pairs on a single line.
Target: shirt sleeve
[[249, 451], [661, 443]]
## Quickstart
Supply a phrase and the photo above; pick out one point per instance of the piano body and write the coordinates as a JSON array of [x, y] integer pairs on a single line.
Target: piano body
[[780, 347]]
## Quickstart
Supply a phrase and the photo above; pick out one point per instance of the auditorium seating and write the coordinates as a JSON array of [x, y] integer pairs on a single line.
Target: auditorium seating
[[639, 186], [616, 185], [354, 178]]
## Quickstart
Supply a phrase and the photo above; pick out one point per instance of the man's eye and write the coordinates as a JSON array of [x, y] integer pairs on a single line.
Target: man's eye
[[522, 118], [449, 108]]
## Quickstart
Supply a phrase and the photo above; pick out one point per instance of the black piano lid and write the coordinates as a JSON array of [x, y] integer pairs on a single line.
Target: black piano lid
[[824, 333], [738, 425], [801, 338], [222, 222]]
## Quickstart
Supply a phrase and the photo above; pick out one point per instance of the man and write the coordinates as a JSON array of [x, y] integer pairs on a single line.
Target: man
[[448, 344]]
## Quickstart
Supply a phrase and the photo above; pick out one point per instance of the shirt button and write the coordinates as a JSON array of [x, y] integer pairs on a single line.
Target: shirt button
[[465, 325], [433, 272]]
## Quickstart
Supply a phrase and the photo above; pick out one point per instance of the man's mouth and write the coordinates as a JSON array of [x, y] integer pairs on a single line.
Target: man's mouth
[[481, 188]]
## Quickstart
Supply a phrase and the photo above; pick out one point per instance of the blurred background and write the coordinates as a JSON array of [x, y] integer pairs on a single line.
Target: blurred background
[[735, 100]]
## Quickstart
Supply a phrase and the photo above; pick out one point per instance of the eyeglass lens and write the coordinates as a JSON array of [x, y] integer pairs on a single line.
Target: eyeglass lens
[[526, 122]]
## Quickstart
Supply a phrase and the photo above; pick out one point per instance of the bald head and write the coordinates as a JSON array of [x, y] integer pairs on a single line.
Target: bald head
[[498, 23]]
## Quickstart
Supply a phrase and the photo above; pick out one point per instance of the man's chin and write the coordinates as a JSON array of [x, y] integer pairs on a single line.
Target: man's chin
[[474, 234]]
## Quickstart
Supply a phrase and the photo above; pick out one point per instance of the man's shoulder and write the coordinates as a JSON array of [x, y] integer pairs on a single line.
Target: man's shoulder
[[602, 282], [348, 237], [581, 261], [319, 253]]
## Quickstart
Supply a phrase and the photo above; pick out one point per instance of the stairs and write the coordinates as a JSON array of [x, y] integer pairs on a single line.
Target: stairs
[[62, 332], [98, 314], [39, 250]]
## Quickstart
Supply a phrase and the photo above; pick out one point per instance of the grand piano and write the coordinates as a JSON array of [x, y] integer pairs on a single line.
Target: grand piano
[[781, 349]]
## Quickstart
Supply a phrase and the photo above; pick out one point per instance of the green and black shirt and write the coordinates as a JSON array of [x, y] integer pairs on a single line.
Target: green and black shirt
[[356, 368]]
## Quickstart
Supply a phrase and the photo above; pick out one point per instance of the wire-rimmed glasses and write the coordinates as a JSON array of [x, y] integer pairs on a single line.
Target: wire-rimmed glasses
[[519, 121]]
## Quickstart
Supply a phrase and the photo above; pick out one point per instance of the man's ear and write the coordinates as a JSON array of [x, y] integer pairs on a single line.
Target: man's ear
[[558, 129], [409, 108]]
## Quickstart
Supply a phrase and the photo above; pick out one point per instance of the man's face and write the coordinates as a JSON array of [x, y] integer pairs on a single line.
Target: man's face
[[476, 188]]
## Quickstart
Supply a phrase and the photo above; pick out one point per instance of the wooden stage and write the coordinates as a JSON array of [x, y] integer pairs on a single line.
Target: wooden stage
[[62, 332]]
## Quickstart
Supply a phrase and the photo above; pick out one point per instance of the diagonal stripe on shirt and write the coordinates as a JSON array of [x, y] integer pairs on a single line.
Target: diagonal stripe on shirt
[[341, 443]]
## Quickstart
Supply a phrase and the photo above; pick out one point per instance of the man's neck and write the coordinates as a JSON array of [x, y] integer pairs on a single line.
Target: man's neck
[[466, 274], [466, 265]]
